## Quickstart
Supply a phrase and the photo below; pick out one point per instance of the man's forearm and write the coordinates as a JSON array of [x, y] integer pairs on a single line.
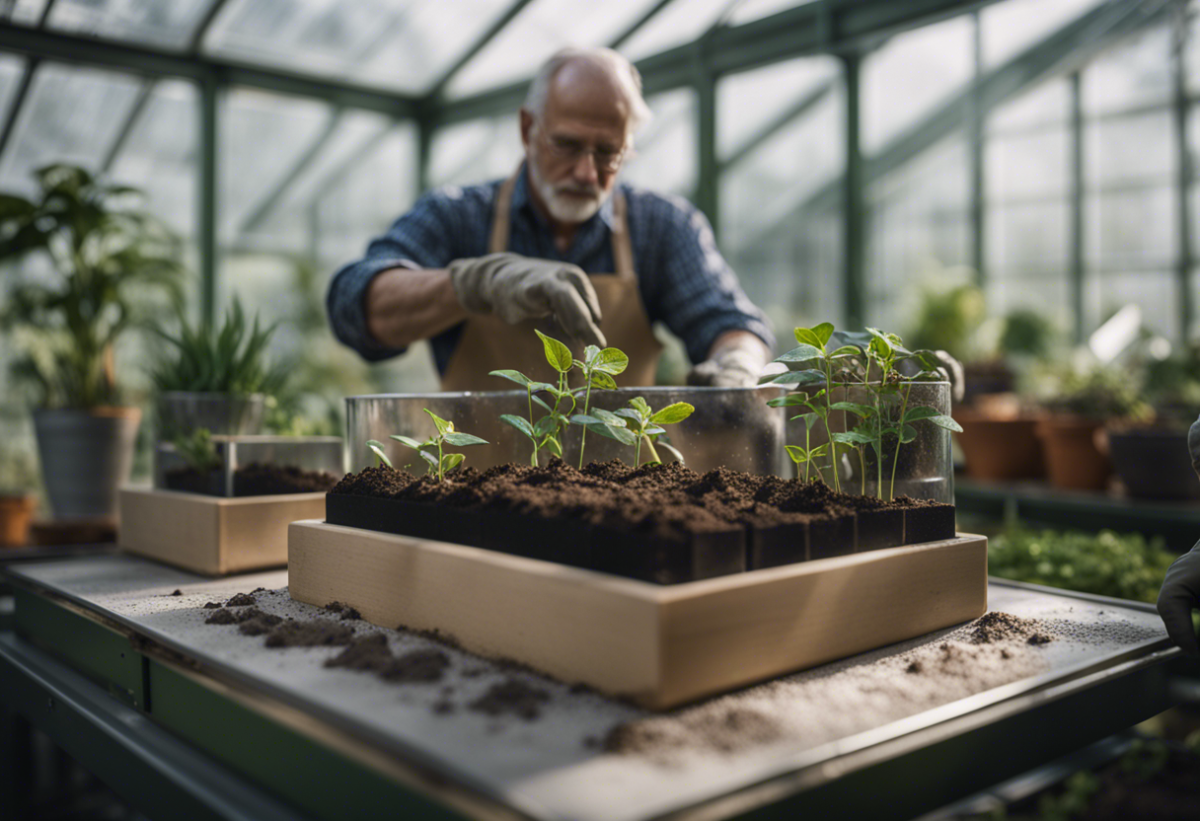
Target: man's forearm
[[731, 339], [404, 306]]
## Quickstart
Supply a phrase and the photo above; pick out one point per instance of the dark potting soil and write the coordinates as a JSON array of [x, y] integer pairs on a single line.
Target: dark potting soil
[[227, 616], [511, 697], [347, 613], [259, 624], [660, 523], [314, 633], [240, 600], [255, 479], [213, 605]]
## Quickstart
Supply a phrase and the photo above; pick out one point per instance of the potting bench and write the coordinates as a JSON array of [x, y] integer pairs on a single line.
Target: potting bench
[[187, 720]]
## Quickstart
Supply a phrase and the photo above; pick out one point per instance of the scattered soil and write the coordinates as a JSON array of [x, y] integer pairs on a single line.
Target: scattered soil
[[259, 624], [226, 616], [997, 627], [366, 653], [177, 592], [314, 633], [511, 696], [347, 613], [417, 666], [723, 730], [255, 479], [213, 605], [240, 600]]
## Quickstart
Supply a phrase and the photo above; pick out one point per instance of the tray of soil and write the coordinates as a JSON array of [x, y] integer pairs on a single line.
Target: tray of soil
[[239, 466], [663, 524], [254, 479]]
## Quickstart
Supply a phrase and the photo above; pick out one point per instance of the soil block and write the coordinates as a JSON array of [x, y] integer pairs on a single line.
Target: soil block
[[252, 480], [878, 528], [661, 559], [552, 539], [926, 521], [774, 545], [423, 521], [831, 534], [190, 480]]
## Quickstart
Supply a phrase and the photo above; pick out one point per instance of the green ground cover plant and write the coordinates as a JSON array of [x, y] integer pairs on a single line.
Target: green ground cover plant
[[432, 450]]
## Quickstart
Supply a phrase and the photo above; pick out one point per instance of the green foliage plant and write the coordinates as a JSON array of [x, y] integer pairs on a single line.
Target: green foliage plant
[[441, 463], [380, 457], [598, 367], [641, 423], [114, 266], [871, 361], [229, 359], [198, 451], [1101, 393]]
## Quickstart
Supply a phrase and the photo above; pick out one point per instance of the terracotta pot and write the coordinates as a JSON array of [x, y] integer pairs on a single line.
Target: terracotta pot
[[1073, 456], [1000, 448], [16, 512]]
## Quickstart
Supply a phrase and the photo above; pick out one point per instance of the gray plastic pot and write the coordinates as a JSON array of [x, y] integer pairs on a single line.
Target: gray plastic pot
[[1153, 463], [86, 456]]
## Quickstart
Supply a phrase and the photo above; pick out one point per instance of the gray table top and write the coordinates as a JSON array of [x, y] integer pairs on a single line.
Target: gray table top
[[553, 767]]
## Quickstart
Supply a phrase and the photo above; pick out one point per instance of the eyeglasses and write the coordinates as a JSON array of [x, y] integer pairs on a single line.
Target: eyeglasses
[[566, 148]]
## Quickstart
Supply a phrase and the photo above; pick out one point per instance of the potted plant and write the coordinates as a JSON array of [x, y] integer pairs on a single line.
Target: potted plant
[[1072, 431], [18, 479], [1152, 459], [110, 261], [214, 378]]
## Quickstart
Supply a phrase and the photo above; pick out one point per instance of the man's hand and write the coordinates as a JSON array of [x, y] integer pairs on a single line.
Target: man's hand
[[735, 360], [516, 288], [1180, 593]]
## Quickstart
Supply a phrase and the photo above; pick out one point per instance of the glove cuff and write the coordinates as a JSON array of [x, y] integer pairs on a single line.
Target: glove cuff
[[471, 278]]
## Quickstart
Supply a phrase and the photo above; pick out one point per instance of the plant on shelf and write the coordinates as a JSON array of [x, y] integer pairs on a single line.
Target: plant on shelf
[[441, 463], [598, 367], [868, 362], [112, 266], [638, 422], [197, 450]]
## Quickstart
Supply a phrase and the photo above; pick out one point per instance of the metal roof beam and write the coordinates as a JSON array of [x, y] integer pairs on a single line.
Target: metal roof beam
[[361, 154], [476, 47], [819, 27], [135, 113], [196, 42], [268, 203], [66, 48], [14, 110], [45, 15], [786, 118], [637, 24]]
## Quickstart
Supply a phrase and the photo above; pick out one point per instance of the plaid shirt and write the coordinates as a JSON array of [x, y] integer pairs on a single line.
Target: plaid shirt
[[684, 281]]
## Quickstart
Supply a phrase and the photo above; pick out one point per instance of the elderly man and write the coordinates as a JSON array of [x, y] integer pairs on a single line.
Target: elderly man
[[559, 246]]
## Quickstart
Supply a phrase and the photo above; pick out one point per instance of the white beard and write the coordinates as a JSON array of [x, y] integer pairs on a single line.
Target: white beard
[[563, 207]]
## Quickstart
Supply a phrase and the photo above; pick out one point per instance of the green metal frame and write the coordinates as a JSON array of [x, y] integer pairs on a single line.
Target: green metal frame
[[1075, 262]]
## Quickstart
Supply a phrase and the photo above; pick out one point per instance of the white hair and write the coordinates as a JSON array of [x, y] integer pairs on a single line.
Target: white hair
[[623, 71]]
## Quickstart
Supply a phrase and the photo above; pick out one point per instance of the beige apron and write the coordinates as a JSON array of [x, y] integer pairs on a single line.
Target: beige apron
[[490, 344]]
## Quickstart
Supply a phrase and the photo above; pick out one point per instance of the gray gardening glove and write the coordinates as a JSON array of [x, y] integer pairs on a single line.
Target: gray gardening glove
[[952, 369], [516, 288], [1179, 594], [737, 364], [1194, 445]]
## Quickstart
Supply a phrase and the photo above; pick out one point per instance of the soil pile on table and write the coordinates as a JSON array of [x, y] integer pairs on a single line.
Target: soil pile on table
[[511, 697], [666, 500], [313, 633], [255, 479]]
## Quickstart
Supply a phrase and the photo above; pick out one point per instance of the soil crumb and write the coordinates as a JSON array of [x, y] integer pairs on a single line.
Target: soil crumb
[[177, 592], [315, 633], [259, 624], [213, 605], [241, 600], [225, 616], [992, 628], [334, 607], [350, 614], [511, 696], [417, 666], [366, 653]]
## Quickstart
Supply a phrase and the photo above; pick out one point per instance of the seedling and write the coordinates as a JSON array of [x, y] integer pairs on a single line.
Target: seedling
[[636, 423], [380, 457], [443, 462], [198, 451], [598, 367]]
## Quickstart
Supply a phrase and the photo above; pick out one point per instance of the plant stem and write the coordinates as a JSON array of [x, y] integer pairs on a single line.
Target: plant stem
[[837, 483], [862, 464], [637, 452], [899, 440], [587, 400], [440, 474], [807, 449], [529, 394], [653, 452]]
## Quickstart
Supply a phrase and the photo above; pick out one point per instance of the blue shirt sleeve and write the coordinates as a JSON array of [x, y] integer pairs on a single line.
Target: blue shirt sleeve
[[698, 296], [423, 238]]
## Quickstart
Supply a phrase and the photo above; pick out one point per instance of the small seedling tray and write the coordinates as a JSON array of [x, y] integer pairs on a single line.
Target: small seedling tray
[[212, 535], [658, 645]]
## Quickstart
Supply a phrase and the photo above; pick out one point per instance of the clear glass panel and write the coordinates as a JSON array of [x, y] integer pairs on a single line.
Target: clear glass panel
[[780, 228], [917, 227], [666, 156], [400, 46], [1155, 292], [1027, 239], [71, 115], [475, 151], [1191, 66], [749, 10], [1129, 149], [1044, 105], [682, 21], [27, 12], [1027, 165], [141, 21], [159, 156], [910, 76], [1037, 291], [1135, 72], [1130, 228], [262, 137], [1013, 26], [12, 69], [749, 101], [541, 29]]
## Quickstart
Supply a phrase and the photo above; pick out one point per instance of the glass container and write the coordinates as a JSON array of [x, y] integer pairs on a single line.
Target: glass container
[[307, 463]]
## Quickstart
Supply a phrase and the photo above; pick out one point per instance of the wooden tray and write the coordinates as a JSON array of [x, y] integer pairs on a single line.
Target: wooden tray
[[657, 645], [211, 534]]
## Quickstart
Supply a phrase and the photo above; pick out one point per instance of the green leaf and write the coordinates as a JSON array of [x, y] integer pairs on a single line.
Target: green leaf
[[907, 434], [518, 422], [790, 401], [534, 387], [918, 413], [853, 437], [553, 445], [443, 426], [585, 419], [946, 422], [429, 457], [798, 378], [589, 354], [513, 376], [806, 336], [629, 413], [603, 381], [673, 413], [546, 425], [653, 430], [810, 419], [638, 403], [557, 354], [612, 361], [377, 449], [608, 417], [853, 407], [622, 435], [823, 332], [541, 403], [451, 460], [411, 443], [803, 353], [671, 449], [846, 350], [462, 440], [799, 455]]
